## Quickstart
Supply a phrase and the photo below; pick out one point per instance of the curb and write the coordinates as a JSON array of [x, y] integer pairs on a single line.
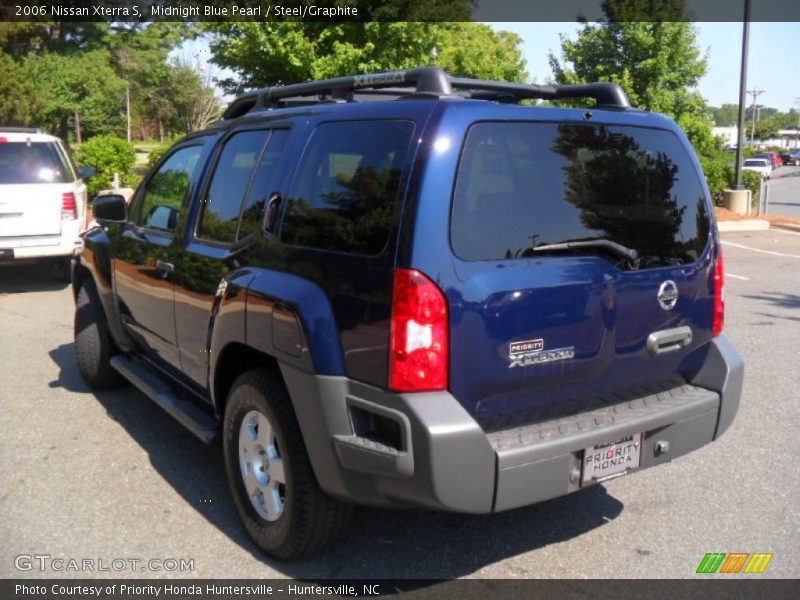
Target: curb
[[787, 227], [744, 225]]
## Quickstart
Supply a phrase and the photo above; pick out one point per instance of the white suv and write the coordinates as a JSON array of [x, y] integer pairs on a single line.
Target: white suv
[[42, 198]]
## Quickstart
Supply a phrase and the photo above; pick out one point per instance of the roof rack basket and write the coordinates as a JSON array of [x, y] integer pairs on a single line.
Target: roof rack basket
[[421, 82]]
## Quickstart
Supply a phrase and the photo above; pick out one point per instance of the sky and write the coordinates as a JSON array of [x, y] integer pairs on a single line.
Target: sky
[[773, 59]]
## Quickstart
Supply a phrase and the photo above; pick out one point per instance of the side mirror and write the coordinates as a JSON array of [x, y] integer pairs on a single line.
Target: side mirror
[[86, 172], [111, 208]]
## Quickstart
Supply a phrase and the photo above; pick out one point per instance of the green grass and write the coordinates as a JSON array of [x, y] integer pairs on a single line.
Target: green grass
[[142, 150]]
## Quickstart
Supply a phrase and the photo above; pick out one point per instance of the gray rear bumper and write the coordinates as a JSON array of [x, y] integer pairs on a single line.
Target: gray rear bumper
[[442, 459]]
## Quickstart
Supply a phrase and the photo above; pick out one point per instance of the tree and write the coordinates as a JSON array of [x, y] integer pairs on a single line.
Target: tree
[[81, 90], [726, 115], [193, 96], [657, 63], [270, 53]]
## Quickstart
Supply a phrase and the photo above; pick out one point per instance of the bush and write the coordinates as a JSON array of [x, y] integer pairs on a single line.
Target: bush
[[719, 172], [752, 181], [156, 153], [108, 155]]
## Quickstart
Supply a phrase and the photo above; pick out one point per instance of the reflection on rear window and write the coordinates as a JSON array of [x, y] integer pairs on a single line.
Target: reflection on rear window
[[38, 162], [525, 185]]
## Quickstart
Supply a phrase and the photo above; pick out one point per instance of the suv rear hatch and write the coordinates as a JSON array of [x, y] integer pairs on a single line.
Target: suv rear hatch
[[577, 243], [33, 178]]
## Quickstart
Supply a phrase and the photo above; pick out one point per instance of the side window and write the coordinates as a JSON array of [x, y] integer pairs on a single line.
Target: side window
[[343, 195], [219, 219], [264, 182], [167, 188]]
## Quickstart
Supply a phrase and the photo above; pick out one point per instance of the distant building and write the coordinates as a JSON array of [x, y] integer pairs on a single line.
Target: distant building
[[787, 138]]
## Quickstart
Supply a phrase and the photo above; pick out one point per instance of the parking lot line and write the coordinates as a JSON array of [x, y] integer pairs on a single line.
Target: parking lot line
[[737, 276], [772, 252]]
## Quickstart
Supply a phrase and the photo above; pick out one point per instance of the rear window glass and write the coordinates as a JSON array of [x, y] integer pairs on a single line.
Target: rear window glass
[[344, 192], [524, 186], [37, 162]]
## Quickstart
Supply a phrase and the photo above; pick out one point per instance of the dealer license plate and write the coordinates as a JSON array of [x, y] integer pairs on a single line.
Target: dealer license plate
[[611, 459]]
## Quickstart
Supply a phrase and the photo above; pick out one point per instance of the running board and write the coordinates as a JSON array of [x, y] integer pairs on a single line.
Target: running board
[[201, 424]]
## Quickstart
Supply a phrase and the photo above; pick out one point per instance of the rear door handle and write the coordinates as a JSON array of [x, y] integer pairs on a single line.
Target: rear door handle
[[165, 267], [668, 340]]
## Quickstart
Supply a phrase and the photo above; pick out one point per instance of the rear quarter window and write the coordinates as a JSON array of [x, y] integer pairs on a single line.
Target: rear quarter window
[[525, 185], [343, 194]]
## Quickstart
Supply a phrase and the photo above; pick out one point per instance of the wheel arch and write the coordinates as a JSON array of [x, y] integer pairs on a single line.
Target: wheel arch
[[234, 359]]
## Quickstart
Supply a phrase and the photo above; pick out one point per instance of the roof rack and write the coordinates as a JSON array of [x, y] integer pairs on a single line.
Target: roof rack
[[421, 82], [5, 129]]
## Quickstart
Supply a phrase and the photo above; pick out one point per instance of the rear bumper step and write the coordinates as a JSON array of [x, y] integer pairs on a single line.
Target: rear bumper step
[[544, 460], [152, 384], [539, 440]]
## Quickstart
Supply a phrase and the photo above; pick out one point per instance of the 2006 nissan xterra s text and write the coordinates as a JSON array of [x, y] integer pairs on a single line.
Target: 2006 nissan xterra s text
[[408, 289]]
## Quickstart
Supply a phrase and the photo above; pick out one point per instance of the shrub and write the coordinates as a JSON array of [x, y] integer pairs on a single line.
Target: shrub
[[752, 181], [719, 174], [156, 153], [108, 155]]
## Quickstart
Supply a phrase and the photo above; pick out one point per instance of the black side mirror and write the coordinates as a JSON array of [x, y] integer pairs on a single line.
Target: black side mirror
[[110, 208], [86, 172]]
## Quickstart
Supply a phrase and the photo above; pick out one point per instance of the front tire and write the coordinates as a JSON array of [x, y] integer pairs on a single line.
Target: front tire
[[93, 344], [273, 485]]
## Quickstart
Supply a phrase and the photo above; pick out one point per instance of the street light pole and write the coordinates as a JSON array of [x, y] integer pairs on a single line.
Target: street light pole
[[742, 89]]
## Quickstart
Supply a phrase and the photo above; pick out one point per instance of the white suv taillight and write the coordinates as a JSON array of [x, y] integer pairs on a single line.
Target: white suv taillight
[[418, 353], [719, 296], [69, 208]]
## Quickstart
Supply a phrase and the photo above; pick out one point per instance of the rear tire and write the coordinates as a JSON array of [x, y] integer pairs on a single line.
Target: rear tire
[[93, 344], [276, 494]]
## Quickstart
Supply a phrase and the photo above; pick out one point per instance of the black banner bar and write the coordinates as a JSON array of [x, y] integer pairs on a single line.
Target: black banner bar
[[707, 587], [394, 10]]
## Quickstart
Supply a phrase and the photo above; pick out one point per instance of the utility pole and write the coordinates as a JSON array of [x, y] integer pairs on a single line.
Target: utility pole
[[128, 110], [737, 184], [755, 94], [796, 141]]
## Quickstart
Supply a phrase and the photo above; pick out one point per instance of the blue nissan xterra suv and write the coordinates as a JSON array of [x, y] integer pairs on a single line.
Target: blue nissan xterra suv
[[412, 290]]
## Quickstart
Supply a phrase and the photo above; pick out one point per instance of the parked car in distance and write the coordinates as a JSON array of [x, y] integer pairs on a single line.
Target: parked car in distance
[[792, 157], [42, 199], [762, 166], [425, 294], [774, 160]]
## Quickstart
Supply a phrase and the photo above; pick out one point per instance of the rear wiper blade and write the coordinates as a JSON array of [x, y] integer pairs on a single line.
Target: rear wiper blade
[[618, 249]]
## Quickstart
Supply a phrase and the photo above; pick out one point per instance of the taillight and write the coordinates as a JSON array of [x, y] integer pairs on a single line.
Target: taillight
[[418, 352], [719, 296], [69, 208]]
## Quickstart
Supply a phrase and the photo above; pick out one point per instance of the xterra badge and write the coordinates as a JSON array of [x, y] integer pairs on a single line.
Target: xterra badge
[[532, 352]]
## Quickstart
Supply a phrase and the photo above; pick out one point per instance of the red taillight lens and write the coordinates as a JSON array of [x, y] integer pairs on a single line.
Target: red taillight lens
[[719, 296], [69, 208], [418, 353]]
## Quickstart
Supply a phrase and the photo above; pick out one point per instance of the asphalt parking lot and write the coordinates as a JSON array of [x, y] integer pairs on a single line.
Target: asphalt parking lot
[[109, 475], [782, 196]]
